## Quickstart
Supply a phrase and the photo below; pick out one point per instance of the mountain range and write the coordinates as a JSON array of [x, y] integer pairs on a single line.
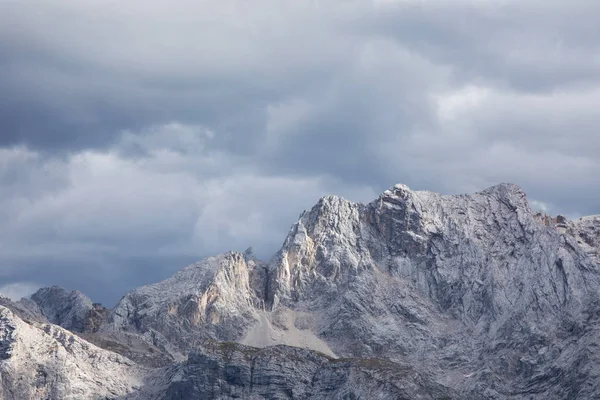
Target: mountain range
[[415, 295]]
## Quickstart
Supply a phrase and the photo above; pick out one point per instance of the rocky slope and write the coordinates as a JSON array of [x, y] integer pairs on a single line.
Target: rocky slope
[[26, 309], [44, 361], [230, 370], [473, 293], [216, 298], [69, 310]]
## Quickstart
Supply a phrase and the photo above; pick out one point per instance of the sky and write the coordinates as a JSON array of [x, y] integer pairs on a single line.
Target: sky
[[137, 137]]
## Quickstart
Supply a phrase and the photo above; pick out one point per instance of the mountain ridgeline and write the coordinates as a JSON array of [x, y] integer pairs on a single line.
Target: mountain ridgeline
[[415, 295]]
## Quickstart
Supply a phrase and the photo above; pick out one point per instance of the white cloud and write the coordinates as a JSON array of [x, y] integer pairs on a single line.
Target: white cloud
[[160, 201], [16, 291], [541, 206], [248, 209], [284, 118], [169, 137], [465, 100]]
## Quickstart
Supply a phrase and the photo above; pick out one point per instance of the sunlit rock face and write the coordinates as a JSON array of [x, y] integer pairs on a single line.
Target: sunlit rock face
[[474, 296], [45, 361], [212, 299]]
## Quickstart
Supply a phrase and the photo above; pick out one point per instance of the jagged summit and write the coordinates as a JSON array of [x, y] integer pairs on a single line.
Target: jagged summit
[[249, 253], [505, 187]]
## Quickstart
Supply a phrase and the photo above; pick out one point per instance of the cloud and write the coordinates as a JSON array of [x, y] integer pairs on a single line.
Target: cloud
[[18, 290], [173, 199], [138, 137]]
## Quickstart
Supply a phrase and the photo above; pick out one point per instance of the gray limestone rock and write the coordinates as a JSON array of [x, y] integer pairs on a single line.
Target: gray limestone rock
[[233, 371], [414, 295], [586, 231], [469, 287], [216, 298], [69, 310], [25, 308], [45, 361]]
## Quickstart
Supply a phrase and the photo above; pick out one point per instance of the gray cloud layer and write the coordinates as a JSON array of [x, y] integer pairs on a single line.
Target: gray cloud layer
[[138, 137]]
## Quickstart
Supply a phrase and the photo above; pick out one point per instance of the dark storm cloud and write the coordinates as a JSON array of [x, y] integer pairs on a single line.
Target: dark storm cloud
[[138, 136], [78, 74]]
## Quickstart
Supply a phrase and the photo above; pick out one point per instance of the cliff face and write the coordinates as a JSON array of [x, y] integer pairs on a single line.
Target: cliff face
[[462, 285], [211, 299], [472, 256], [231, 370], [474, 294], [586, 231]]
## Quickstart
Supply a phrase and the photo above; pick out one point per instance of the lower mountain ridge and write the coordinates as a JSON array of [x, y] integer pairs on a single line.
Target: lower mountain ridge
[[415, 295]]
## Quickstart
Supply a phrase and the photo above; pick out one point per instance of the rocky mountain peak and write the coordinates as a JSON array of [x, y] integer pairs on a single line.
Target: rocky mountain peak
[[399, 190], [211, 299], [326, 214], [479, 259], [506, 189], [249, 254], [510, 194], [67, 309]]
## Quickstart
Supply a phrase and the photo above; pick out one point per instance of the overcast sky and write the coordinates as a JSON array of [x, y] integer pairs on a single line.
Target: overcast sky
[[139, 136]]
